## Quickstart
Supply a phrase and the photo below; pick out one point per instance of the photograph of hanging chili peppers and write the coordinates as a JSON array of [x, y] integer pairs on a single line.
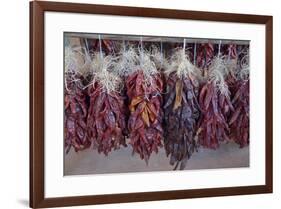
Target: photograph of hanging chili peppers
[[147, 103]]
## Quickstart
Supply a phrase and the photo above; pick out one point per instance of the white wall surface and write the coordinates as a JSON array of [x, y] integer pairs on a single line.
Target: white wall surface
[[14, 103]]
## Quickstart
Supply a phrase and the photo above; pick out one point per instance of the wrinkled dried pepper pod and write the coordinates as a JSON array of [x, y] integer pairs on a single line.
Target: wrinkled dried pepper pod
[[144, 124], [239, 121], [106, 120], [75, 108], [181, 113]]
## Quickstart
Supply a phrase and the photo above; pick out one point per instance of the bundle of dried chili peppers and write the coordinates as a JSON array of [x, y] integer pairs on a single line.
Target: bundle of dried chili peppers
[[239, 121], [75, 105], [181, 110], [144, 88], [215, 104], [106, 119], [75, 108]]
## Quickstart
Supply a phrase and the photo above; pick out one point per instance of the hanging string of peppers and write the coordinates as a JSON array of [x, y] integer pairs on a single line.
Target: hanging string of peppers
[[215, 104], [75, 106], [144, 88], [181, 109], [239, 120], [106, 118]]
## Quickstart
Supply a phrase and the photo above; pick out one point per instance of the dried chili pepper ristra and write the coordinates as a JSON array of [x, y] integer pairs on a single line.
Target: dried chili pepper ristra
[[239, 120], [75, 108], [144, 124], [106, 120], [215, 105], [181, 111]]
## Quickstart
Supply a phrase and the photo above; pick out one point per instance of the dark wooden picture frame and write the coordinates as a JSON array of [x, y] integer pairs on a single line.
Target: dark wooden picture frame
[[37, 196]]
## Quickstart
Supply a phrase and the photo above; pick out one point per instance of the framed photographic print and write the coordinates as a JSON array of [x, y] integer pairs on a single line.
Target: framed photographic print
[[140, 104]]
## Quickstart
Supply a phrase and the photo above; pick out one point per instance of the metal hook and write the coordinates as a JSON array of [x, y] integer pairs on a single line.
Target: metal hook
[[141, 43], [194, 54], [229, 51], [141, 50], [161, 47], [101, 55], [183, 45], [219, 51], [161, 52], [86, 44], [124, 45]]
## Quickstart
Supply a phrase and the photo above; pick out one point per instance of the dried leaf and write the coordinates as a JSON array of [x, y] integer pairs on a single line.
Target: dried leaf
[[145, 117], [134, 102]]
